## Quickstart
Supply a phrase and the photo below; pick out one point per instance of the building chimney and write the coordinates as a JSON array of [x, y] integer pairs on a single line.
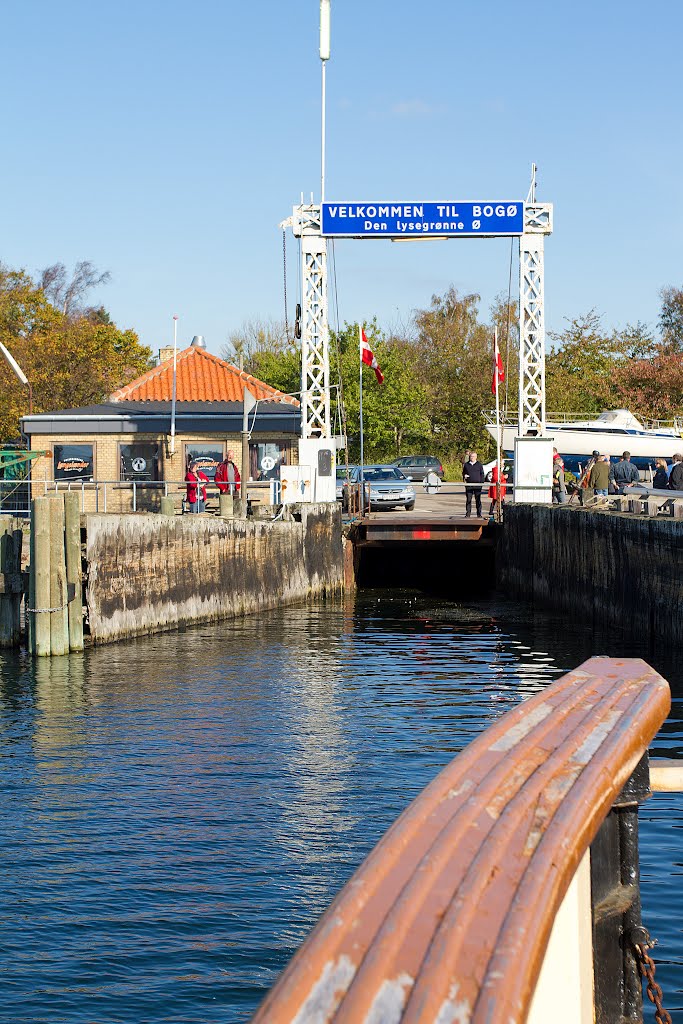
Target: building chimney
[[198, 341], [165, 353]]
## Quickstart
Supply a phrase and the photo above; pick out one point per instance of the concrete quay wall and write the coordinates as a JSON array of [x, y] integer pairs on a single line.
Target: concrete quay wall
[[146, 573], [606, 568]]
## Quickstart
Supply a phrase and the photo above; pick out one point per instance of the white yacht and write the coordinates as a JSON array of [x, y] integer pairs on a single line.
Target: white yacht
[[611, 433]]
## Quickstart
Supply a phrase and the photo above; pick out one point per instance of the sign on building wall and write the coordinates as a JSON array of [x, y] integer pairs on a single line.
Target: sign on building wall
[[205, 457], [73, 462], [413, 220], [139, 461]]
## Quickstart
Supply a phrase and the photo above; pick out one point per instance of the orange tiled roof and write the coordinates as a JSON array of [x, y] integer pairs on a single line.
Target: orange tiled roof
[[200, 377]]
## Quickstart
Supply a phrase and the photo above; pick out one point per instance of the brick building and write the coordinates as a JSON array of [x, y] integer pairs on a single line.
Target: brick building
[[129, 439]]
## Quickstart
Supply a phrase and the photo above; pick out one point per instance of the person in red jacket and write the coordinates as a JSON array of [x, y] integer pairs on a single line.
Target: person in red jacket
[[195, 477], [227, 477], [497, 491]]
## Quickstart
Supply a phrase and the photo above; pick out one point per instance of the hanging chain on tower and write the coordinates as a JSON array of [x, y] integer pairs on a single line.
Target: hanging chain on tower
[[284, 277]]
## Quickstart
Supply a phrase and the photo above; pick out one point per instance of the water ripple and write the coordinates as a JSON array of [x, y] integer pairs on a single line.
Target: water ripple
[[177, 811]]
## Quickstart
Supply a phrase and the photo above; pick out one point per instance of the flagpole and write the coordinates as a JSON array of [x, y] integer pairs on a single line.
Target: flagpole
[[360, 377], [499, 510], [175, 369]]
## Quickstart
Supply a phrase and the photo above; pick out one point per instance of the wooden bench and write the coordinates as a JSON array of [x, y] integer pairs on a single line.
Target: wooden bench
[[449, 918]]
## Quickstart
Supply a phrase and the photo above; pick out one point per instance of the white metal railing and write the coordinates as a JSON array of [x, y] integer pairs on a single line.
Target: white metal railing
[[104, 495], [511, 419]]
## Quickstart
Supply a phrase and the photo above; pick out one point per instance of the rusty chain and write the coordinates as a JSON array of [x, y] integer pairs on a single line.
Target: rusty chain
[[646, 966]]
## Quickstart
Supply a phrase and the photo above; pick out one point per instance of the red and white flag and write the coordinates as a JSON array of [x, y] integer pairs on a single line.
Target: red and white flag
[[498, 371], [367, 356]]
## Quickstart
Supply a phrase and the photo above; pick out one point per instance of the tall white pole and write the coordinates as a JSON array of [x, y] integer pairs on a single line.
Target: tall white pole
[[324, 57], [497, 490], [322, 146], [360, 381], [175, 368]]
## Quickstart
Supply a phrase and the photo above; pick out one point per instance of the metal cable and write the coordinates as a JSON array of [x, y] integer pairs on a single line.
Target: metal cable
[[507, 336], [284, 280], [340, 393]]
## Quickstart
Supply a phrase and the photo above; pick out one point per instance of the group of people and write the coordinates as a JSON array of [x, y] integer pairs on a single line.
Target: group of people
[[599, 477], [227, 480], [669, 478], [602, 477]]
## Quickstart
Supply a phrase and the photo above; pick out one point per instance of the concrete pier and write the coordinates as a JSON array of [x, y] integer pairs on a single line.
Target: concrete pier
[[603, 568], [147, 573]]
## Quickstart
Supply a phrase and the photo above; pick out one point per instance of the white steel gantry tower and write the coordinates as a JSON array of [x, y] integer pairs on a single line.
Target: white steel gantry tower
[[315, 343], [538, 222]]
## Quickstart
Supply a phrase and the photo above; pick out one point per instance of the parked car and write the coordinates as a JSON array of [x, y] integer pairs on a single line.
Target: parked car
[[341, 478], [417, 466], [386, 487]]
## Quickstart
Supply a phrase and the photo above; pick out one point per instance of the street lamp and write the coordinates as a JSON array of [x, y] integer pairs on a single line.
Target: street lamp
[[20, 374]]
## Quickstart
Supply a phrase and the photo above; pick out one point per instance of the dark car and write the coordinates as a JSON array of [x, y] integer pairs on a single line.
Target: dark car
[[386, 487], [417, 466]]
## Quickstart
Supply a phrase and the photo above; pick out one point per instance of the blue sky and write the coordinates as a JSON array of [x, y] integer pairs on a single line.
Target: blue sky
[[166, 141]]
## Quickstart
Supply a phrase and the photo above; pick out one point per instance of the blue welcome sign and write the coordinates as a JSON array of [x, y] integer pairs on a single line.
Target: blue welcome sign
[[427, 220]]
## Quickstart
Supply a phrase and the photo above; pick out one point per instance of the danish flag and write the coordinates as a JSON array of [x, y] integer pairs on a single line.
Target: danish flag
[[498, 371], [367, 356]]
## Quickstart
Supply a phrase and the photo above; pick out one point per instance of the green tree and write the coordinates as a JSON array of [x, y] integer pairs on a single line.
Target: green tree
[[671, 318], [456, 365], [70, 360], [579, 368], [282, 370], [393, 412]]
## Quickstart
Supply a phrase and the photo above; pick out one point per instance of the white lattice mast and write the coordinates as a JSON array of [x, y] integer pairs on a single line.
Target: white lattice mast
[[537, 224], [315, 344]]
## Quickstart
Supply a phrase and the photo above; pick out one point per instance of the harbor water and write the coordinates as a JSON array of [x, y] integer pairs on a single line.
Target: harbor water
[[177, 811]]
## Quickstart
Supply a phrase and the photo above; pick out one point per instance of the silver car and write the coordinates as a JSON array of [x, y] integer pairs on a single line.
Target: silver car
[[341, 479], [386, 487]]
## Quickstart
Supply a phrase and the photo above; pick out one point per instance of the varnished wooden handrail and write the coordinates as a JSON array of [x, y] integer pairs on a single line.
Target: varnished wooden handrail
[[449, 917]]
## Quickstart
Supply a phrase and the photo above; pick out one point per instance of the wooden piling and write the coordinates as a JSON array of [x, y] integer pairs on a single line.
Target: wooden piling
[[31, 596], [8, 572], [167, 506], [59, 621], [225, 506], [40, 576], [72, 534], [18, 583]]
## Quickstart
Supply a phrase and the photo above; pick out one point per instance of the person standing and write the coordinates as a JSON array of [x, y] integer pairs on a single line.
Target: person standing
[[196, 479], [624, 474], [473, 474], [227, 477], [497, 491], [676, 474], [599, 476], [559, 486], [661, 477], [585, 491]]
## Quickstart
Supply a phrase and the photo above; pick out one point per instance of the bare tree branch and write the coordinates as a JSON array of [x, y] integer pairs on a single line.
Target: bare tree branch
[[68, 294]]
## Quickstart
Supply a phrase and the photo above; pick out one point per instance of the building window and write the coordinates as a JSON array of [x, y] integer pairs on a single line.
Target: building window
[[206, 457], [266, 458], [139, 461], [73, 462]]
